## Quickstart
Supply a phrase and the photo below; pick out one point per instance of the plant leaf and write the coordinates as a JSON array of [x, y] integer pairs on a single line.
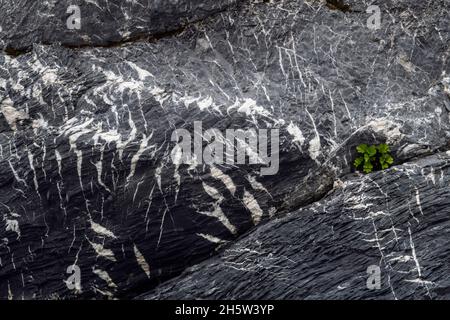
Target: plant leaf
[[389, 159], [358, 161], [368, 167], [383, 148], [362, 148], [372, 154], [372, 150]]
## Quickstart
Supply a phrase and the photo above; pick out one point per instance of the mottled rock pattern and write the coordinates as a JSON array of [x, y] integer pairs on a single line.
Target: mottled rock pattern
[[86, 176]]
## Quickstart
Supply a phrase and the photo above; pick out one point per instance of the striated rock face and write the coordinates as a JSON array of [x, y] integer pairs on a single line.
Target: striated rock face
[[90, 175], [102, 22], [396, 219]]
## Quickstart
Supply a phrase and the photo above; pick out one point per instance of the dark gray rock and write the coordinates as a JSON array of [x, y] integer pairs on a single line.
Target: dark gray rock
[[86, 175], [102, 22], [396, 220]]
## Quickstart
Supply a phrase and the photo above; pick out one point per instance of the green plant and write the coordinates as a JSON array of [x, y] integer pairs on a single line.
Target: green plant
[[373, 157]]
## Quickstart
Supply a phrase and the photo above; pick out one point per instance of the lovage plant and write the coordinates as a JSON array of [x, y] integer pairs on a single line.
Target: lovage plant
[[373, 157]]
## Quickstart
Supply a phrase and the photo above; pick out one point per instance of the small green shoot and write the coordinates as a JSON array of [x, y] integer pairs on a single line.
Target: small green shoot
[[373, 157]]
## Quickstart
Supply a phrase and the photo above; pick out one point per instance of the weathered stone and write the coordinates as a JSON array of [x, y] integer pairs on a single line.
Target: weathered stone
[[101, 22], [86, 173], [395, 220]]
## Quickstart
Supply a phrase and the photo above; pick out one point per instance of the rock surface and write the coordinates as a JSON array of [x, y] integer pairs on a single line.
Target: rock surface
[[101, 22], [87, 175], [396, 220]]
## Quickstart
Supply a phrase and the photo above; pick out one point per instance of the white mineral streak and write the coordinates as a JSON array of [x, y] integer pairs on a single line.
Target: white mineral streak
[[105, 277], [16, 175], [227, 181], [141, 261], [142, 74], [314, 144], [413, 250], [219, 215], [31, 162], [419, 204], [99, 229], [297, 134], [252, 205], [176, 155], [12, 115], [212, 192], [99, 167], [256, 185], [59, 162], [249, 107], [211, 238], [205, 103], [103, 252], [388, 128], [13, 225], [142, 148]]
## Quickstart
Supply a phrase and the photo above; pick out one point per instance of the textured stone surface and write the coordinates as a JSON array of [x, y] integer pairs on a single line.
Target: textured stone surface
[[86, 176], [103, 22], [396, 219]]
